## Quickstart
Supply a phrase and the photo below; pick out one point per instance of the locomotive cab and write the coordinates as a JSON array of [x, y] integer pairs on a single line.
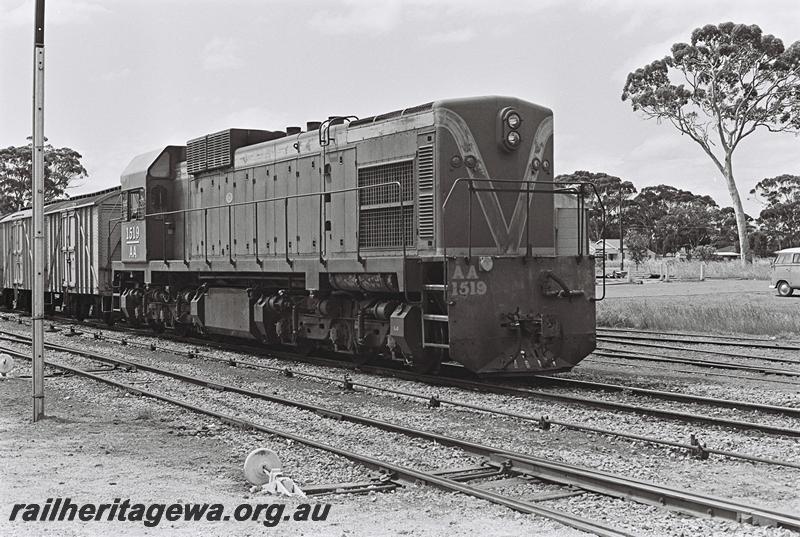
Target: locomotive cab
[[148, 188]]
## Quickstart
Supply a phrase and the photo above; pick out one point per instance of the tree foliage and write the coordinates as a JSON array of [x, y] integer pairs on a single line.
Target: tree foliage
[[729, 81], [780, 218], [613, 192], [636, 246], [674, 219], [61, 166], [703, 253]]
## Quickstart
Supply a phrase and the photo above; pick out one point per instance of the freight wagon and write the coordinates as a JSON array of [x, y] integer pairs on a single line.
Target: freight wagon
[[81, 239]]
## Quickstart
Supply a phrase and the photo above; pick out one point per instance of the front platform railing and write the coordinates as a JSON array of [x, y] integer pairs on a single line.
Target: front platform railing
[[527, 189]]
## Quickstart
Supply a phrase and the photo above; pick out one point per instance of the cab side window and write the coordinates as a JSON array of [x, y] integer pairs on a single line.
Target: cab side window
[[136, 204], [796, 259], [158, 199]]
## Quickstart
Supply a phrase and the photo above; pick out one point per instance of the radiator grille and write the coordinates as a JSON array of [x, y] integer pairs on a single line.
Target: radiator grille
[[425, 187], [383, 228], [402, 172], [381, 219]]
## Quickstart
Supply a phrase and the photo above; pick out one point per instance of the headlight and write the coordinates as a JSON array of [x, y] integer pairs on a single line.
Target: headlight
[[513, 138], [513, 120], [509, 122]]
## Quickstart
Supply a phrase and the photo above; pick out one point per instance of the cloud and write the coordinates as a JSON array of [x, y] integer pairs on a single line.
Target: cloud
[[115, 75], [359, 17], [645, 55], [253, 117], [221, 54], [461, 35], [373, 17], [15, 14], [668, 146]]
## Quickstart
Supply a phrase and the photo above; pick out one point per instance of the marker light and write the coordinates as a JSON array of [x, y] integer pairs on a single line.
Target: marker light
[[513, 138], [513, 120]]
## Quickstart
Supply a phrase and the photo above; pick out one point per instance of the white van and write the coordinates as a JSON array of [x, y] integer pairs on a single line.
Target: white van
[[786, 271]]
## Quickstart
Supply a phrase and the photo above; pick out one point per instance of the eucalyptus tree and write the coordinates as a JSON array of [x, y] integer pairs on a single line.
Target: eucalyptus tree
[[729, 81], [62, 165]]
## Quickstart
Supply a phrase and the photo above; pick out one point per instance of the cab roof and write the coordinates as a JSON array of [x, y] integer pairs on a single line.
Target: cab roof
[[795, 250]]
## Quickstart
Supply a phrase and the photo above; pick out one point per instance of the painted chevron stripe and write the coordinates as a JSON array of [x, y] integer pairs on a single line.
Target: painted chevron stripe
[[507, 235]]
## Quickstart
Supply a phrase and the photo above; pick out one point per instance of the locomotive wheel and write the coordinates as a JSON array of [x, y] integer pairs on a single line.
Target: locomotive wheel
[[305, 347], [784, 289], [183, 329], [108, 318], [429, 361], [361, 357]]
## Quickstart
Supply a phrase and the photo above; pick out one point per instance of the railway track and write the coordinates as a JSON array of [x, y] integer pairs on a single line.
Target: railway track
[[544, 422], [627, 342], [453, 377], [601, 351], [706, 372], [716, 364], [398, 472], [697, 339], [515, 463]]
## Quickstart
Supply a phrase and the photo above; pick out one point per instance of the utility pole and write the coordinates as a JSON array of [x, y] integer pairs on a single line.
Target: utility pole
[[37, 188], [621, 246]]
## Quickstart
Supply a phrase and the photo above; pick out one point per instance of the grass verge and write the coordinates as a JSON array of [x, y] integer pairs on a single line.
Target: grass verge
[[761, 314]]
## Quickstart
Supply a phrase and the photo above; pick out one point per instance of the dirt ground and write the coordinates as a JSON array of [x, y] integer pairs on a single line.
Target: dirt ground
[[131, 447]]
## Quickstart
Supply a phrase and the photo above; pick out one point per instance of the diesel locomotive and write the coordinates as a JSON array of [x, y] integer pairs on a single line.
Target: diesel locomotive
[[426, 234]]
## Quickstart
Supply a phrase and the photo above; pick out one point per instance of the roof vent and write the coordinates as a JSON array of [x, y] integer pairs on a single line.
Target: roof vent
[[214, 151], [293, 130]]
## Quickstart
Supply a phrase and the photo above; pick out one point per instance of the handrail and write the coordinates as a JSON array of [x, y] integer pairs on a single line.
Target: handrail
[[528, 191], [325, 128], [285, 199]]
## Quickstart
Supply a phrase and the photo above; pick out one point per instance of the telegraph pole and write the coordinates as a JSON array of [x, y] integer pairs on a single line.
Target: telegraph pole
[[621, 246], [37, 189]]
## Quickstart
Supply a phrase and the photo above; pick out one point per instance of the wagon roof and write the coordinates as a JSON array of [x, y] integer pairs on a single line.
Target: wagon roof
[[73, 202], [82, 200]]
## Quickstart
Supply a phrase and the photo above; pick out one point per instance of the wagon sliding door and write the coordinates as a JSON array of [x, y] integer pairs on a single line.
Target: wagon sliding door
[[69, 271], [17, 254]]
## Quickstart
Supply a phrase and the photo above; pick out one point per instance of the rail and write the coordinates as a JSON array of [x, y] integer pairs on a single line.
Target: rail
[[404, 473], [597, 481], [529, 188]]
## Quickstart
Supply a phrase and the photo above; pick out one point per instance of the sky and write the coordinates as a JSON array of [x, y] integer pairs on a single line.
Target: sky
[[126, 77]]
